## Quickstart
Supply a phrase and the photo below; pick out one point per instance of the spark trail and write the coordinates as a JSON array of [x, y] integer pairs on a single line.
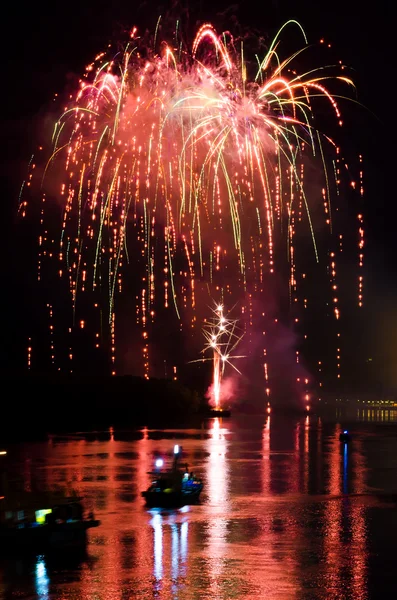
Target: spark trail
[[222, 338]]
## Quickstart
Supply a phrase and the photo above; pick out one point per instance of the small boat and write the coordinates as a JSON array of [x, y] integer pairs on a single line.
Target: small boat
[[219, 412], [174, 487], [43, 521], [344, 436]]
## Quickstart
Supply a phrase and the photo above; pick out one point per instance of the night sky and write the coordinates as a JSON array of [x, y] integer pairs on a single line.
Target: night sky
[[46, 45]]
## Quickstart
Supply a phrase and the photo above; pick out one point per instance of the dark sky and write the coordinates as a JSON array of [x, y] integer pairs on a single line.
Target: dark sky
[[43, 44]]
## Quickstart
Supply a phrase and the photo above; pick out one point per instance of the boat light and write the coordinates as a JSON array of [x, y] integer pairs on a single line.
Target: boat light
[[176, 449], [159, 462], [41, 515], [345, 432], [3, 452]]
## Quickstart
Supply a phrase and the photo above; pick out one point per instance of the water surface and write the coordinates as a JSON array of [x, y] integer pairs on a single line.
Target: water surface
[[287, 512]]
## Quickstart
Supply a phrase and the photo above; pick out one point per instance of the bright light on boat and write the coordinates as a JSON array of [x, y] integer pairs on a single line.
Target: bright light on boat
[[3, 452], [41, 514], [345, 432], [159, 462], [176, 449]]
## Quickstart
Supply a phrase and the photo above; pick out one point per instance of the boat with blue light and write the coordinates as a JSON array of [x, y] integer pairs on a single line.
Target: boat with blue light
[[344, 436], [172, 488]]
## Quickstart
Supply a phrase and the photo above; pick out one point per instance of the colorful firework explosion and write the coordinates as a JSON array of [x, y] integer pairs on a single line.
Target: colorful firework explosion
[[184, 170]]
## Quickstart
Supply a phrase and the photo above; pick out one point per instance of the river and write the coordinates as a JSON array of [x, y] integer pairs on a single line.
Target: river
[[287, 512]]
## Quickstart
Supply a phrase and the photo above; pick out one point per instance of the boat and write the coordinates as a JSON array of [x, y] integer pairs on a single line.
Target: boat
[[172, 488], [43, 521], [219, 412], [344, 436]]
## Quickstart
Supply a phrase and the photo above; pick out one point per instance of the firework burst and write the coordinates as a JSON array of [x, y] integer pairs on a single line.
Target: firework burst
[[222, 338], [184, 169]]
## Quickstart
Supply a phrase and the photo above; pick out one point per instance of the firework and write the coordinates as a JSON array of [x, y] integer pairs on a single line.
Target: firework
[[183, 169], [222, 338]]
